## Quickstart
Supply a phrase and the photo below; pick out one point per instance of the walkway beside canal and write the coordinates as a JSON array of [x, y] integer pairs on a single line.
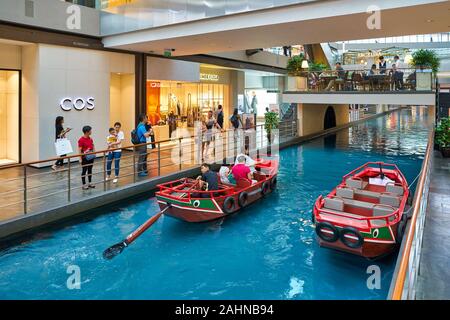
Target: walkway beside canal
[[434, 271]]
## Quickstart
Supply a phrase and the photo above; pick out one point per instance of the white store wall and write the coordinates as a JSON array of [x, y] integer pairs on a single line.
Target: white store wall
[[51, 73]]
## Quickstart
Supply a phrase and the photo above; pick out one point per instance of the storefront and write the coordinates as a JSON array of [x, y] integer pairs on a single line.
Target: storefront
[[184, 93], [41, 82], [9, 116], [262, 92]]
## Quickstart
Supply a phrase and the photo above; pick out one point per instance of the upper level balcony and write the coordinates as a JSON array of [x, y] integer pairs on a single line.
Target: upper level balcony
[[406, 86]]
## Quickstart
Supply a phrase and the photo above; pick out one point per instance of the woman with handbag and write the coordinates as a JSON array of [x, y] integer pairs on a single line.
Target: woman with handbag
[[86, 145], [60, 133]]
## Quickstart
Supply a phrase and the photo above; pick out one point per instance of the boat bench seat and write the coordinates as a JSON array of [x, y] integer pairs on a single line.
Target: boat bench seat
[[395, 189], [356, 183], [389, 199]]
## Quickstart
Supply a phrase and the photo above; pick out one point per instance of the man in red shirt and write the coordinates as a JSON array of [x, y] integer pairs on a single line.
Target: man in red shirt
[[86, 146], [240, 171]]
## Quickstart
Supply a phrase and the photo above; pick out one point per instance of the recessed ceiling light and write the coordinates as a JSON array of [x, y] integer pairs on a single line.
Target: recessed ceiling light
[[430, 20]]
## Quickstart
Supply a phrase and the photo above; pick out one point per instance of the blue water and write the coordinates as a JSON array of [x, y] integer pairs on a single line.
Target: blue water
[[268, 251]]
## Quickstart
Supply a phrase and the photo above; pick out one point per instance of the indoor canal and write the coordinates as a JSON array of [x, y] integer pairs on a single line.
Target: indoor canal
[[267, 251]]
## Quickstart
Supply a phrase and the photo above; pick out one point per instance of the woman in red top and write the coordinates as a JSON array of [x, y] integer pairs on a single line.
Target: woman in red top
[[86, 145]]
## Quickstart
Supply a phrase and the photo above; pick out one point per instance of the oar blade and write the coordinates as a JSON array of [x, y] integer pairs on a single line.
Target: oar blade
[[114, 250]]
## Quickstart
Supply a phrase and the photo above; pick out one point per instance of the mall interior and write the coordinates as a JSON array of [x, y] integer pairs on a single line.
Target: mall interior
[[98, 62]]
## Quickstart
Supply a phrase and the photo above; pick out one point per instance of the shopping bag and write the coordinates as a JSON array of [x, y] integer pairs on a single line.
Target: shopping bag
[[63, 146]]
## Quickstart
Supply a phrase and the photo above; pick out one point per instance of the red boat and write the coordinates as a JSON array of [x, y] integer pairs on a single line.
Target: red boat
[[365, 213], [180, 199]]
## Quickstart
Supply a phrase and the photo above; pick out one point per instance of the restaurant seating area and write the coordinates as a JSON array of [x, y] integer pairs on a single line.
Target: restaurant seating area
[[360, 80]]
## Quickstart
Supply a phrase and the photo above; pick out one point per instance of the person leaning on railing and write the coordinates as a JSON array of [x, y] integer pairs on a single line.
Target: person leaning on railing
[[85, 146]]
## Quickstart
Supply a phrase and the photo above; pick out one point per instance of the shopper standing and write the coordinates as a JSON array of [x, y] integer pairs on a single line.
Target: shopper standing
[[85, 146], [220, 116], [142, 135], [60, 133]]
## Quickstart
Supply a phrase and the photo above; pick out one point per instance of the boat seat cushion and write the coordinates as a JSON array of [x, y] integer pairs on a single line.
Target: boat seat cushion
[[359, 204], [379, 211], [355, 183], [334, 204], [366, 193], [390, 200], [345, 193], [392, 188]]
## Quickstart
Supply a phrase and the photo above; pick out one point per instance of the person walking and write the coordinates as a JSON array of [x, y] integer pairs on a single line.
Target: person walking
[[60, 133], [142, 135], [85, 146], [209, 124], [220, 116]]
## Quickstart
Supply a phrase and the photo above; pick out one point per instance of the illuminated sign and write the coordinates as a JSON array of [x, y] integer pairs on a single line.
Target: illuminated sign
[[79, 104], [209, 77]]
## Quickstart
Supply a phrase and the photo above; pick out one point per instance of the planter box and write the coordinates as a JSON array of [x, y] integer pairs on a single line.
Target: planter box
[[445, 152], [423, 79], [297, 83]]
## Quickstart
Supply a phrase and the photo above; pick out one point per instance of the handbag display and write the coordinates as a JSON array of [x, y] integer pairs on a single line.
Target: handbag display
[[63, 146]]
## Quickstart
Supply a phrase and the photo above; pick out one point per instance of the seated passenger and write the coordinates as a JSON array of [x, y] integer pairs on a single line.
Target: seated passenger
[[208, 181], [224, 173], [249, 162], [242, 172]]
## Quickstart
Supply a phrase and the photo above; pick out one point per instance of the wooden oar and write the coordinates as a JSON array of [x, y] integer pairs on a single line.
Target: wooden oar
[[116, 249]]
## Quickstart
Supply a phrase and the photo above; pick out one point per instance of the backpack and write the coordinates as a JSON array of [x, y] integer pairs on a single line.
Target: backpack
[[235, 121], [135, 137]]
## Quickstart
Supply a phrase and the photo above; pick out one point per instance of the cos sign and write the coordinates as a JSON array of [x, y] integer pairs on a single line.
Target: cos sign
[[79, 104]]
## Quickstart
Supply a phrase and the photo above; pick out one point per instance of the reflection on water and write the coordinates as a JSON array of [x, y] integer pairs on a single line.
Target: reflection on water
[[268, 251]]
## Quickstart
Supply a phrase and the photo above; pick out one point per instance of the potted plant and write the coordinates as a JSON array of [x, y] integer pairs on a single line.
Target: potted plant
[[442, 137], [271, 122], [297, 74], [425, 61]]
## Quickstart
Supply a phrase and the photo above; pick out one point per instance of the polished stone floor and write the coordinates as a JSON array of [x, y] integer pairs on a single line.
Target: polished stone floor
[[434, 273]]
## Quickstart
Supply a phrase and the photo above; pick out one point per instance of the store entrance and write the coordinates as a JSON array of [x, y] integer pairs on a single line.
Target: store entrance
[[174, 104], [9, 117]]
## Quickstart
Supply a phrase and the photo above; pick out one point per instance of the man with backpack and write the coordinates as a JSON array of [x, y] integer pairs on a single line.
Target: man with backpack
[[139, 136]]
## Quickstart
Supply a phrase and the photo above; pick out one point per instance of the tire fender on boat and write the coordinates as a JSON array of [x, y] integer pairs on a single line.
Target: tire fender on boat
[[401, 227], [228, 205], [326, 235], [243, 199], [265, 188], [350, 231], [273, 183]]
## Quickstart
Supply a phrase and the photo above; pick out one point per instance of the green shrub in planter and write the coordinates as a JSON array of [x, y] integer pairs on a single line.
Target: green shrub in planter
[[426, 59], [442, 136]]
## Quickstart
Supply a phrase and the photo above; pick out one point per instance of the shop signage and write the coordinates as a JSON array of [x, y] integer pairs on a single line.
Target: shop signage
[[155, 84], [209, 77], [79, 104]]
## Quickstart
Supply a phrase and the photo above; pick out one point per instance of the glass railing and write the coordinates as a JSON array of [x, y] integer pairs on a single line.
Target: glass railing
[[143, 14]]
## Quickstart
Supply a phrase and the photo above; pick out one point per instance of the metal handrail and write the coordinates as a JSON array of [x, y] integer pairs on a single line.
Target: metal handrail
[[28, 192], [399, 285]]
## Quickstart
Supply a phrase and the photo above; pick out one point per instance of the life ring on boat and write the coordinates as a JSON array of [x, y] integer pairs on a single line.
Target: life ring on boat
[[243, 199], [265, 188], [327, 232], [228, 205], [401, 227], [196, 203], [353, 233], [273, 183]]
